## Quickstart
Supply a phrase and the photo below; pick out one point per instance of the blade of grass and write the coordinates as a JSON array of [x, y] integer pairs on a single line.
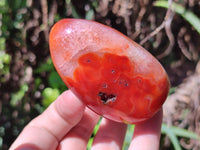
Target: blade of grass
[[89, 15], [167, 130], [89, 145], [128, 137], [183, 132], [186, 14]]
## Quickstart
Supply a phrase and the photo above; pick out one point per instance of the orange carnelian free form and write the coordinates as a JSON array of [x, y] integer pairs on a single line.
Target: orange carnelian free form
[[111, 74]]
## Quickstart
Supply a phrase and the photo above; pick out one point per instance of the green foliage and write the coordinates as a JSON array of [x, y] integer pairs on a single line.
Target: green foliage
[[89, 145], [128, 137], [18, 96], [54, 79], [55, 83], [172, 90], [23, 100], [2, 43], [49, 95], [90, 14], [173, 132], [45, 67], [186, 14], [89, 11], [5, 60], [2, 133]]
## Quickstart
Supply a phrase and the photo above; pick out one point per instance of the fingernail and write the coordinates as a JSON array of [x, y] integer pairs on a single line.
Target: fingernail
[[27, 147]]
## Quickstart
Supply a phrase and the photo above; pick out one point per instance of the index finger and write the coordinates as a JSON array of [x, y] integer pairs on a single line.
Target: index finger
[[46, 130]]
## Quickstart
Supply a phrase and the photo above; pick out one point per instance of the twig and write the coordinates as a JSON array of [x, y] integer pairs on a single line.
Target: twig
[[182, 45], [159, 28], [139, 19], [45, 18], [52, 12], [122, 8], [170, 37]]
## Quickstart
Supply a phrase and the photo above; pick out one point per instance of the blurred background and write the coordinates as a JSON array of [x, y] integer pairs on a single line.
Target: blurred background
[[170, 30]]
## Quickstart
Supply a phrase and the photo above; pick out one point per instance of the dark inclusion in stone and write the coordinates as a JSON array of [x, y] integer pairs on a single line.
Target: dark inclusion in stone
[[124, 82], [105, 98], [88, 61]]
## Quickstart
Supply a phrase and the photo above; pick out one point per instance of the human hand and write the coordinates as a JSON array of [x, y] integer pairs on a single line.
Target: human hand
[[68, 124]]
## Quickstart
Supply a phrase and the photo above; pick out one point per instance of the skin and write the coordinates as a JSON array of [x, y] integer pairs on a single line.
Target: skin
[[68, 124]]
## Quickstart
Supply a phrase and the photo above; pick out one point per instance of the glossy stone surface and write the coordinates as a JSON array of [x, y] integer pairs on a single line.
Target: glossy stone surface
[[111, 74]]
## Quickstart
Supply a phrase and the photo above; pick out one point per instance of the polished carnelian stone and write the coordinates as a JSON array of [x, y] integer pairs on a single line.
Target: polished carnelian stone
[[111, 74]]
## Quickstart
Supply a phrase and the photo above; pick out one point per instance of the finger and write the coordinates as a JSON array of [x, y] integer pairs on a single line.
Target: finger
[[110, 135], [45, 131], [79, 136], [147, 134]]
